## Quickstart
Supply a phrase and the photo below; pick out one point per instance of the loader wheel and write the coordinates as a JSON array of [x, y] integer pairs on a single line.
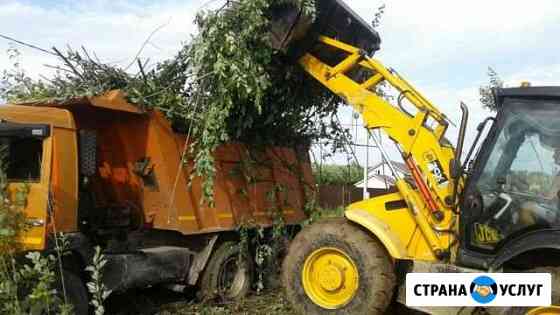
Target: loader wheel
[[228, 275], [555, 275], [555, 292], [333, 266]]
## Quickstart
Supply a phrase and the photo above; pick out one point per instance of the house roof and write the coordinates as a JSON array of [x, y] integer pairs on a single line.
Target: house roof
[[399, 166], [386, 178]]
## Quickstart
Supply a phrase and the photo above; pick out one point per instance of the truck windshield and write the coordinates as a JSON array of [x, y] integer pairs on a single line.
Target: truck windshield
[[520, 182], [22, 157]]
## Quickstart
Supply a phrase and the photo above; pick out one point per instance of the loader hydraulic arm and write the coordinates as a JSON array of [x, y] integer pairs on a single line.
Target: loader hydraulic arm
[[419, 134]]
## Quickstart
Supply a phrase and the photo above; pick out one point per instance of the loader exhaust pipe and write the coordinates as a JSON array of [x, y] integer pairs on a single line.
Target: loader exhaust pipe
[[295, 33]]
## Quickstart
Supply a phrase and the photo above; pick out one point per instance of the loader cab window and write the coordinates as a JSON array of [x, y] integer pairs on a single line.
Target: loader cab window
[[23, 158], [519, 185]]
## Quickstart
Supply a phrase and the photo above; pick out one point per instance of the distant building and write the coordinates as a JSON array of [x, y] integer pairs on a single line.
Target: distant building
[[380, 176]]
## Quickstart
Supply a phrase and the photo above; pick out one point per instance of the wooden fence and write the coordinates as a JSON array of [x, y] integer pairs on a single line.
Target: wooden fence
[[334, 196]]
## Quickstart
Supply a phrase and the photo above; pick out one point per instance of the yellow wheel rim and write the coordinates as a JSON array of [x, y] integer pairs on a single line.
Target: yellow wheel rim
[[330, 277]]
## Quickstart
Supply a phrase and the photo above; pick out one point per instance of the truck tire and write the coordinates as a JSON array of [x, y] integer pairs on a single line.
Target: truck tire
[[228, 274], [335, 267]]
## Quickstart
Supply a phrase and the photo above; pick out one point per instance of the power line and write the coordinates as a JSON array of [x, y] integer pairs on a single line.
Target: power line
[[347, 142], [27, 44]]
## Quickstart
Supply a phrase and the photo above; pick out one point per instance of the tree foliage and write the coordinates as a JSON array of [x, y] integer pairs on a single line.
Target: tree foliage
[[486, 94], [226, 84], [12, 220], [378, 15], [27, 284], [332, 174]]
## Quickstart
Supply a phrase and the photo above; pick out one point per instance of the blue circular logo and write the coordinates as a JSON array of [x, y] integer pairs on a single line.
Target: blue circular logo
[[483, 289]]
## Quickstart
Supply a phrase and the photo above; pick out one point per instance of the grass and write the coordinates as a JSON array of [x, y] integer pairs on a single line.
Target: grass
[[269, 303], [321, 213]]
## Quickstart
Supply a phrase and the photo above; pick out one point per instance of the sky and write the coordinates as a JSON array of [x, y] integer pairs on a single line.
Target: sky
[[444, 48]]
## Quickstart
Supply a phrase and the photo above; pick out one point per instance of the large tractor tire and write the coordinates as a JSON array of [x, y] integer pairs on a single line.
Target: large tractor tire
[[228, 275], [555, 275], [335, 267]]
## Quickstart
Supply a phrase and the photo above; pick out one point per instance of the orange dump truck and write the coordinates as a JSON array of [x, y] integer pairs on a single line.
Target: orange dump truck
[[106, 173]]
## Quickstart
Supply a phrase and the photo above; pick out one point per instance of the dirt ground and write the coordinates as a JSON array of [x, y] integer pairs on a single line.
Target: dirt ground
[[165, 302], [161, 301], [270, 303]]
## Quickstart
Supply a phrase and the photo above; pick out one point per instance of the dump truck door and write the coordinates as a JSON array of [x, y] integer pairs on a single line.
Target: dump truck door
[[26, 155]]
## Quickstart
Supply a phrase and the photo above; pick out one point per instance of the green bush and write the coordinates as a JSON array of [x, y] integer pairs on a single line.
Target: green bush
[[26, 284], [331, 174]]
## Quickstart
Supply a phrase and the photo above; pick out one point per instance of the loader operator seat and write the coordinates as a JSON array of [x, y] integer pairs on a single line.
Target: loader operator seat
[[519, 187]]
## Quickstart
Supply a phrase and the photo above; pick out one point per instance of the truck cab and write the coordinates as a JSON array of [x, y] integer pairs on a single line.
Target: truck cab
[[37, 165]]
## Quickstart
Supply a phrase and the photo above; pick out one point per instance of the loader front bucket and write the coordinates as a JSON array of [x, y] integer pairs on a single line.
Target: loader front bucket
[[294, 32]]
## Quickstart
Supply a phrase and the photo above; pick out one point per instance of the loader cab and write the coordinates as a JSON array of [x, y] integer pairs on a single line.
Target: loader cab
[[512, 194]]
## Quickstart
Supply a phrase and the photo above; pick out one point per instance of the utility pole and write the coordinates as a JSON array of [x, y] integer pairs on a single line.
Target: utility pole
[[366, 168]]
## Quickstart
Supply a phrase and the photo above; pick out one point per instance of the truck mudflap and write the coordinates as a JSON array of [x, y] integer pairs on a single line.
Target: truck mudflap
[[147, 267]]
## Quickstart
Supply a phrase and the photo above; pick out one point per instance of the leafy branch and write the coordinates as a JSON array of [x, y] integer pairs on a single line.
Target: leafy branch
[[486, 94], [226, 84]]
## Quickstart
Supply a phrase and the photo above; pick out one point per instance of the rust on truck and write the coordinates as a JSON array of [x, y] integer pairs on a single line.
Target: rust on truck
[[139, 171]]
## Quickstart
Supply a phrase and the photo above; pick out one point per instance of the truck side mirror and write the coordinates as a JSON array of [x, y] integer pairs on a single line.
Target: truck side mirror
[[88, 152]]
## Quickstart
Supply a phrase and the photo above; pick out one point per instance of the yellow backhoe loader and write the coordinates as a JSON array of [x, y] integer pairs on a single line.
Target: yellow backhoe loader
[[493, 209]]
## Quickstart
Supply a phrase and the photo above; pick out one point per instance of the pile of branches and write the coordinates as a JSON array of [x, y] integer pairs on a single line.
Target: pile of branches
[[226, 84]]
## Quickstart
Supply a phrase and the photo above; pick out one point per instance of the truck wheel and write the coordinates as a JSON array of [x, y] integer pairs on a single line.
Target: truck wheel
[[228, 274], [333, 266], [76, 293]]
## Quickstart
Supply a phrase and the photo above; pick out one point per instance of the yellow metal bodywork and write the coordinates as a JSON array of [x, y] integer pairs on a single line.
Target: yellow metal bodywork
[[330, 277], [396, 229], [58, 175], [58, 118], [64, 180], [548, 310], [37, 201], [410, 232]]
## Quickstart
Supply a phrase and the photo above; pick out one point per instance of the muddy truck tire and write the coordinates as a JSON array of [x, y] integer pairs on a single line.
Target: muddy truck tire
[[335, 267]]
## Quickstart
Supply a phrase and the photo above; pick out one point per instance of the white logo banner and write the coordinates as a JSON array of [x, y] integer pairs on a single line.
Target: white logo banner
[[478, 289]]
